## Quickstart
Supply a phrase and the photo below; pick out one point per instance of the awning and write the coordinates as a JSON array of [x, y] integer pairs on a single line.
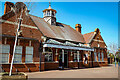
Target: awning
[[67, 47]]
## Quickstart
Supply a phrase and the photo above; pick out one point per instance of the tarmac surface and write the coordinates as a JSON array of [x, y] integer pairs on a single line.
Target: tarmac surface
[[98, 72]]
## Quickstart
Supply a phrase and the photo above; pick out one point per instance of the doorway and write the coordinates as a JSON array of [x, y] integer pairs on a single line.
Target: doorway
[[65, 60], [65, 64], [60, 60]]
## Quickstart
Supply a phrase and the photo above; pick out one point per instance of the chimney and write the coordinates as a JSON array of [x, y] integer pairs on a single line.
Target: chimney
[[78, 27], [8, 6]]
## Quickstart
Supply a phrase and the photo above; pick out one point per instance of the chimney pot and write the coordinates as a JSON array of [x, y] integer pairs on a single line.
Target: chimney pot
[[8, 6], [78, 27]]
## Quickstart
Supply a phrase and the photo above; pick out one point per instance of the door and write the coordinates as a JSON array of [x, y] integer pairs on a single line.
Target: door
[[66, 60], [60, 60]]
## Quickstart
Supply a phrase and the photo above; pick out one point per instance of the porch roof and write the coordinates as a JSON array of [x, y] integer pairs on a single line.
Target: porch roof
[[67, 47]]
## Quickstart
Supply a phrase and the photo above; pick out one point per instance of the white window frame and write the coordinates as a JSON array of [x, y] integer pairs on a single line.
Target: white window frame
[[102, 56], [4, 52], [95, 56], [76, 58], [18, 52], [47, 54], [99, 56], [27, 53]]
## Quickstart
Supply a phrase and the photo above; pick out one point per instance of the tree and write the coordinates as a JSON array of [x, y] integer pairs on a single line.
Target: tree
[[113, 48]]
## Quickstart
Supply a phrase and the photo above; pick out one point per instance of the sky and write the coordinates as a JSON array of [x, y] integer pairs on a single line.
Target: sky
[[91, 15]]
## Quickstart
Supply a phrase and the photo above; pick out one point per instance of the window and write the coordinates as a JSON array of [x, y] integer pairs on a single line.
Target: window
[[95, 57], [29, 55], [102, 56], [98, 56], [4, 54], [75, 57], [48, 55], [48, 13], [18, 54]]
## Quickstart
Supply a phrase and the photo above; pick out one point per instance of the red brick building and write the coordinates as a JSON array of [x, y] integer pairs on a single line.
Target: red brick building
[[63, 46]]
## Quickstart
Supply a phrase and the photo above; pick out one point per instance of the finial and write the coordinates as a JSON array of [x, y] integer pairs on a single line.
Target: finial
[[49, 4]]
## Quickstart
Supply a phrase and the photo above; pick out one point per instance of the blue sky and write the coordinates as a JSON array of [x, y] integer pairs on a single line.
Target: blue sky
[[91, 15]]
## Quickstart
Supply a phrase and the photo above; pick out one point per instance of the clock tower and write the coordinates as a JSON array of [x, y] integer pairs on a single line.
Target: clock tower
[[49, 15]]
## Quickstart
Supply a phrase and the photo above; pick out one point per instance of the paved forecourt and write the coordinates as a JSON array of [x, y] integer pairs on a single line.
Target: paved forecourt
[[98, 72]]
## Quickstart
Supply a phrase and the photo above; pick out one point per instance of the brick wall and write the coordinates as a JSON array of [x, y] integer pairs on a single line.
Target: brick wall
[[30, 67]]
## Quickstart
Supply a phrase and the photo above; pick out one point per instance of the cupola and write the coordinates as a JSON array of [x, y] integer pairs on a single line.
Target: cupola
[[49, 15]]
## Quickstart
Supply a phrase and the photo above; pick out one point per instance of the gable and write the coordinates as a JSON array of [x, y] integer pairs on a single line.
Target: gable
[[88, 37], [98, 40], [10, 23]]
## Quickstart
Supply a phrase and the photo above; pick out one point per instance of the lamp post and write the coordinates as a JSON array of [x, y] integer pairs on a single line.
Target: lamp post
[[40, 51]]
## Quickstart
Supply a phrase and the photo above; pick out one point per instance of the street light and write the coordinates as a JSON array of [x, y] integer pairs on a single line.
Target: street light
[[40, 51]]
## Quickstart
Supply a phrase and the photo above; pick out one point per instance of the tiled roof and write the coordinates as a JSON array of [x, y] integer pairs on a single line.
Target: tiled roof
[[88, 37], [63, 32]]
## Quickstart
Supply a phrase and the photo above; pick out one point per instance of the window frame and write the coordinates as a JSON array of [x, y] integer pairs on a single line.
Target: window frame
[[95, 56], [76, 60], [99, 56], [29, 54], [47, 52], [102, 56], [17, 62], [2, 53]]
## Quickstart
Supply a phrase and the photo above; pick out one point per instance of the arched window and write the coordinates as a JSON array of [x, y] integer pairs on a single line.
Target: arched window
[[48, 54]]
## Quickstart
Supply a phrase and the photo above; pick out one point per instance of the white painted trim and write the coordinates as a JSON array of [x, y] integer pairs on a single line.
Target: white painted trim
[[15, 23], [97, 61], [92, 37], [67, 47], [75, 61], [51, 62], [56, 61], [98, 40]]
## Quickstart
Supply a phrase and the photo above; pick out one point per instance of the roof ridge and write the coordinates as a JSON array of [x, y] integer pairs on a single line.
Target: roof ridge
[[87, 33]]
